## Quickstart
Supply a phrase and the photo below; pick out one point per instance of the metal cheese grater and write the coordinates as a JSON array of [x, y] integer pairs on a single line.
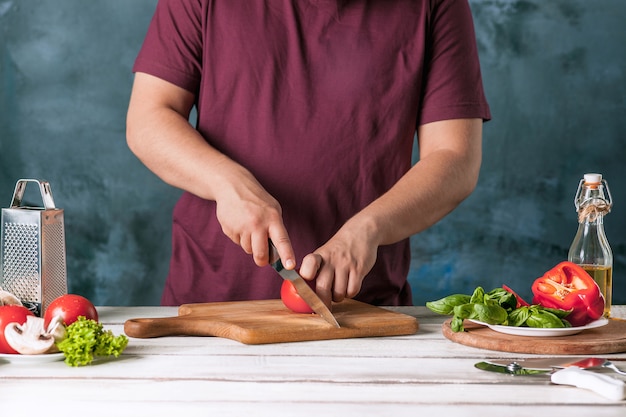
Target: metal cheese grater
[[32, 249]]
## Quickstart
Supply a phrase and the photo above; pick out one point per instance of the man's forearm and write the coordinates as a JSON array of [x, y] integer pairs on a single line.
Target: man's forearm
[[431, 189], [159, 134]]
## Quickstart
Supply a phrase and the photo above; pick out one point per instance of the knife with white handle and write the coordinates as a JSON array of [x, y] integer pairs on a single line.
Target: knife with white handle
[[303, 289], [608, 387], [604, 385]]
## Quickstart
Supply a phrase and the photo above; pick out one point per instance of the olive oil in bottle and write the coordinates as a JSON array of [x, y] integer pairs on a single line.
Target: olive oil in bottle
[[603, 275], [590, 248]]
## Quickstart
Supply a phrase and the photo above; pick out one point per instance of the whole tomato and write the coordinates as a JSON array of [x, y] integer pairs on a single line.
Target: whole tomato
[[70, 307], [292, 300], [11, 314]]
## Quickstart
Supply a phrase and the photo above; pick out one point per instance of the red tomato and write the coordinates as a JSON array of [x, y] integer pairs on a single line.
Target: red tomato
[[11, 314], [292, 300], [70, 307]]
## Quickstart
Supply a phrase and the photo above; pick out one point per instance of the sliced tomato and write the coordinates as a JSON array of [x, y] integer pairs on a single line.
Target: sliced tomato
[[292, 300]]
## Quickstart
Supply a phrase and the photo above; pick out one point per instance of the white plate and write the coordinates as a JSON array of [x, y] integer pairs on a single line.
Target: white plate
[[539, 332], [31, 359]]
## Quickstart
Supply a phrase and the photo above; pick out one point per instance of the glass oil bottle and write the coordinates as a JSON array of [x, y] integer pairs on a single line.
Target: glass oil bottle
[[590, 248]]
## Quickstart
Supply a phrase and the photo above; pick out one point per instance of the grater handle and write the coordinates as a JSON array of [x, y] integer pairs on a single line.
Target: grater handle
[[44, 188]]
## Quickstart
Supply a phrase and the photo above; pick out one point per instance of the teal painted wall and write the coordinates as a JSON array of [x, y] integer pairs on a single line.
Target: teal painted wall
[[554, 74]]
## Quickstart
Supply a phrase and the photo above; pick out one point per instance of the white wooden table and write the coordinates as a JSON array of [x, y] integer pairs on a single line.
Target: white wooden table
[[420, 375]]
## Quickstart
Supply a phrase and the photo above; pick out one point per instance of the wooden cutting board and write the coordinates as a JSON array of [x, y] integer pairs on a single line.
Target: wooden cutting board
[[601, 340], [269, 321]]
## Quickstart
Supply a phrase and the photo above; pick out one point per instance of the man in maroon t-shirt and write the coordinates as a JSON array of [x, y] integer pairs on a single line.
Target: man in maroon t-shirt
[[306, 117]]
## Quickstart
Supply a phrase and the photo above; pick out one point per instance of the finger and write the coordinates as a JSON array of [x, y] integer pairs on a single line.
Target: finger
[[340, 286], [245, 243], [324, 285], [260, 249], [354, 285], [281, 241], [310, 266]]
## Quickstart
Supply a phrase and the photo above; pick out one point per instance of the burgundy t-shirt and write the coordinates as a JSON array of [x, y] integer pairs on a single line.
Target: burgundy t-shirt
[[320, 100]]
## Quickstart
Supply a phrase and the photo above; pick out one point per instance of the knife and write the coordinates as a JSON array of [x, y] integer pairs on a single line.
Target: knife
[[564, 362], [604, 385], [302, 287]]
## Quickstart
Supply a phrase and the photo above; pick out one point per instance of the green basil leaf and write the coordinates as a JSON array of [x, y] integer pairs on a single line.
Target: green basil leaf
[[478, 296], [558, 312], [447, 304], [544, 319], [457, 324], [519, 316], [490, 313], [466, 311], [502, 297]]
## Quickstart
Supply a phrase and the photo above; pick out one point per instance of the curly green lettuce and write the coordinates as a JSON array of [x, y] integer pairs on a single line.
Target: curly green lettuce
[[86, 339]]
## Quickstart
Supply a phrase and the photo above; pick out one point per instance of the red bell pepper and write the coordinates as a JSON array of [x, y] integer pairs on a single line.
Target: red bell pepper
[[520, 301], [569, 287]]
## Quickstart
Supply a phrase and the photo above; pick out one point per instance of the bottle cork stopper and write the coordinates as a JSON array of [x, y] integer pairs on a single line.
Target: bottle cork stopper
[[593, 178]]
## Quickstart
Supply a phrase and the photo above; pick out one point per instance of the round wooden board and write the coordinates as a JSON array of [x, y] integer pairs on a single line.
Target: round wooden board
[[602, 340]]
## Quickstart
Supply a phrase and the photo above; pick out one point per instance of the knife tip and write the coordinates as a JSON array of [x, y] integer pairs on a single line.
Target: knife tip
[[332, 321]]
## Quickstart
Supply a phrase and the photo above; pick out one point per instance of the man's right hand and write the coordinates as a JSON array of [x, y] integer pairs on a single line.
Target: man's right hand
[[159, 133]]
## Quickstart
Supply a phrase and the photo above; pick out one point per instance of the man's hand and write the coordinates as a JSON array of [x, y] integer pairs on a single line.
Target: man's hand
[[447, 172], [250, 216], [341, 264], [159, 133]]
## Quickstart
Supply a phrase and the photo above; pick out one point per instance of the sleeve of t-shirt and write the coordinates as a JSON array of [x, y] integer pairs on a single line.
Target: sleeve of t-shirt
[[172, 48], [453, 86]]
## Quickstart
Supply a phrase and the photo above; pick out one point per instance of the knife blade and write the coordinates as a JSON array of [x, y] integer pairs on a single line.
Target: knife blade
[[548, 364], [551, 363], [604, 385], [511, 368], [303, 289]]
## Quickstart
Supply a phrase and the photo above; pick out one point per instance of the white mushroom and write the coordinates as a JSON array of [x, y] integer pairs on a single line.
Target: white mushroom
[[31, 338], [56, 328], [6, 299]]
